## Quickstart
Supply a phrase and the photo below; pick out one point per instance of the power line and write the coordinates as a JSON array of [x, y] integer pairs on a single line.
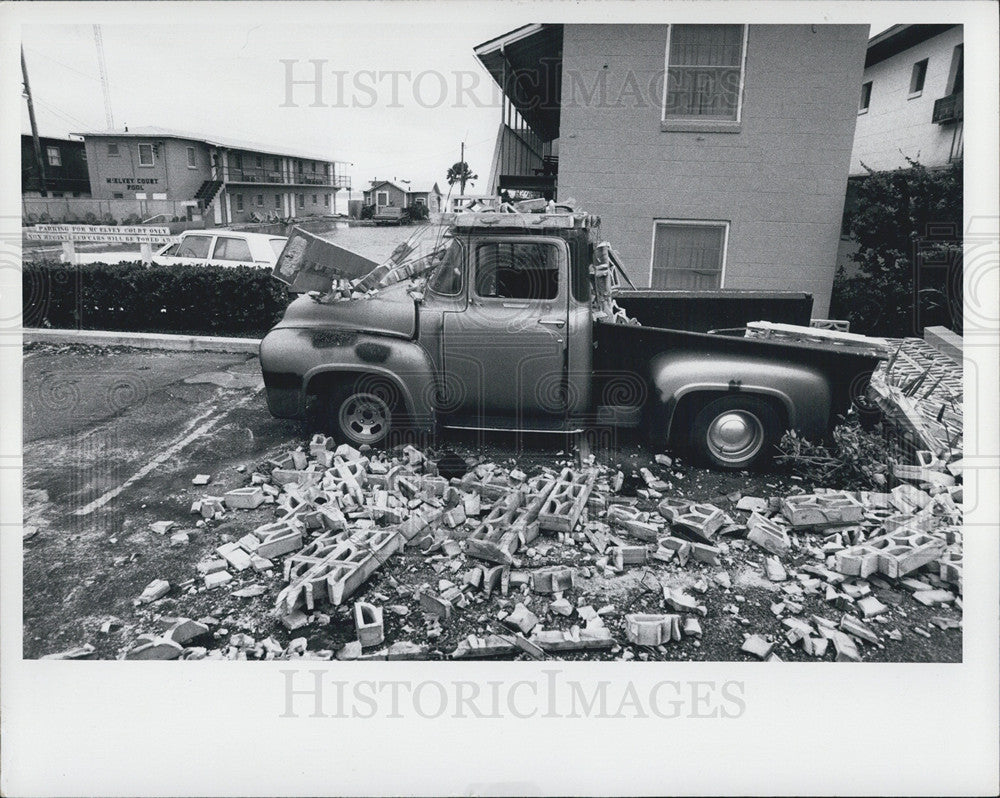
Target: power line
[[60, 63]]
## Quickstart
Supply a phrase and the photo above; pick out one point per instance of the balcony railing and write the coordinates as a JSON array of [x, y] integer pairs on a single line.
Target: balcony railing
[[948, 109], [275, 177]]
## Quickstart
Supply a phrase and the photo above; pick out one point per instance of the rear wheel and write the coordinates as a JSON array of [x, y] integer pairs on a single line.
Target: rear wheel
[[735, 432]]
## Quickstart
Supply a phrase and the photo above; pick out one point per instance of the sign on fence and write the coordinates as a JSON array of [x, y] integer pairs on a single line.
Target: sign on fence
[[72, 234], [99, 233]]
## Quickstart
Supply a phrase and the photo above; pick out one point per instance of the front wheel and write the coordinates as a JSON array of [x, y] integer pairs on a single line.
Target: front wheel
[[357, 414], [735, 432]]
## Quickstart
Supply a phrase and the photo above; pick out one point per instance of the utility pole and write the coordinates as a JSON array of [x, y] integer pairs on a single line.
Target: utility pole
[[461, 165], [34, 127], [103, 69]]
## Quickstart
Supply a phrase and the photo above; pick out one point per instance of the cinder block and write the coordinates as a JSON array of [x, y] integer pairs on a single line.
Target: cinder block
[[244, 498], [234, 555], [702, 552], [217, 579], [652, 630], [837, 508], [553, 579], [522, 618], [368, 623], [701, 520], [757, 646], [768, 535], [629, 555]]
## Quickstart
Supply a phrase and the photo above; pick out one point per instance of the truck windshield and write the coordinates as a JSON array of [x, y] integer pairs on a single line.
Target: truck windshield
[[447, 277]]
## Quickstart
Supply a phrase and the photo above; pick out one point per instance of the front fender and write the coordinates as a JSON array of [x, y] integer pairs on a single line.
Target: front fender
[[803, 392], [290, 358]]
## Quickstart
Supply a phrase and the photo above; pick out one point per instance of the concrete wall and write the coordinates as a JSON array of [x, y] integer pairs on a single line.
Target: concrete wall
[[169, 170], [897, 124], [779, 180]]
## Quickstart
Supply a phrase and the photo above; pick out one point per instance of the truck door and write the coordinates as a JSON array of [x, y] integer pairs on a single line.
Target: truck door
[[505, 353]]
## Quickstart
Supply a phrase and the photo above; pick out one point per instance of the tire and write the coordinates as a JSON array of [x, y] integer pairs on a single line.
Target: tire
[[733, 433], [359, 413]]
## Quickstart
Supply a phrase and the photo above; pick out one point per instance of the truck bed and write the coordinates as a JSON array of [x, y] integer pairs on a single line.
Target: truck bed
[[623, 347], [701, 311]]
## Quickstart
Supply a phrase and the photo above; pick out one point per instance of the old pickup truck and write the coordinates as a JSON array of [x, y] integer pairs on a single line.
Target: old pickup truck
[[512, 322]]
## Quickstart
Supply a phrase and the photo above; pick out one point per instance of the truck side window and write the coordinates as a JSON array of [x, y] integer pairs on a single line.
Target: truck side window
[[517, 270]]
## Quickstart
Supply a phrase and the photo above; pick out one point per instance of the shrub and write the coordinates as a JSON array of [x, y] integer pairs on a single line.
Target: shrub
[[907, 225], [209, 300], [853, 459], [367, 211]]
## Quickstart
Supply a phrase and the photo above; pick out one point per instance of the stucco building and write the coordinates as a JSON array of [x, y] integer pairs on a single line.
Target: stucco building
[[911, 99], [716, 155], [223, 180]]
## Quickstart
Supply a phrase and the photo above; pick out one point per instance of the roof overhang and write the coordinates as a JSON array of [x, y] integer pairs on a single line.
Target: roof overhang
[[526, 64], [898, 38]]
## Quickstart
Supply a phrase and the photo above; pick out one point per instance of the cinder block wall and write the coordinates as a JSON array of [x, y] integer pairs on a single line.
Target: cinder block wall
[[779, 181]]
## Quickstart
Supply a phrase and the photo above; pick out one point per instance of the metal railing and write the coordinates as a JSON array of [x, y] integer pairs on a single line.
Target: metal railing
[[275, 177]]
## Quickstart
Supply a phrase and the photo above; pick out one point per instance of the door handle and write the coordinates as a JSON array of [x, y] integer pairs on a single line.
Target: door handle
[[515, 305], [560, 323]]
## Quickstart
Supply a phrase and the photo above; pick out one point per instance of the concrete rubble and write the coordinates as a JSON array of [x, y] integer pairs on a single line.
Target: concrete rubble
[[504, 562]]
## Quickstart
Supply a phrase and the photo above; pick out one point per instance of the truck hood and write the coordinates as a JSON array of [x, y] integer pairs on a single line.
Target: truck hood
[[391, 311]]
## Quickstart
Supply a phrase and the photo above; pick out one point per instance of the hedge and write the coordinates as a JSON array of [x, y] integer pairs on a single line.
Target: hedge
[[209, 300]]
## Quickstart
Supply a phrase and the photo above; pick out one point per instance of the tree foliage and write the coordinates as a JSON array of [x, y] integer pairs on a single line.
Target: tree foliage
[[907, 225], [459, 172]]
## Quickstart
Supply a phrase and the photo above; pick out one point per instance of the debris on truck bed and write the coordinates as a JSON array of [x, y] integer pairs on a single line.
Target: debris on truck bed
[[559, 560], [920, 391]]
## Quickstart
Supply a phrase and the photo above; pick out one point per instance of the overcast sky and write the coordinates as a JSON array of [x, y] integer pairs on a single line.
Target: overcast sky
[[230, 81], [395, 100]]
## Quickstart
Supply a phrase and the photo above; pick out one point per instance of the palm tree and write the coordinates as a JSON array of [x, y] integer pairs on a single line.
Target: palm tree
[[460, 173]]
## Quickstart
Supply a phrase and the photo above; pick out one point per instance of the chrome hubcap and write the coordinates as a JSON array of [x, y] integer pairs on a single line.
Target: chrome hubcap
[[735, 436], [365, 418]]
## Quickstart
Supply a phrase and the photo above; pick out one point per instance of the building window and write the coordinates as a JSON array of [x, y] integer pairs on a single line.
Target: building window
[[239, 202], [301, 200], [54, 156], [917, 78], [314, 167], [192, 164], [118, 195], [238, 160], [704, 72], [419, 201], [866, 97], [326, 169], [277, 201], [145, 155], [277, 164], [260, 200], [381, 198], [326, 200], [258, 161], [112, 150], [688, 255]]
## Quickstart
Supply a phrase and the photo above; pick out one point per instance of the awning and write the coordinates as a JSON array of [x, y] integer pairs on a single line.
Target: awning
[[527, 65]]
